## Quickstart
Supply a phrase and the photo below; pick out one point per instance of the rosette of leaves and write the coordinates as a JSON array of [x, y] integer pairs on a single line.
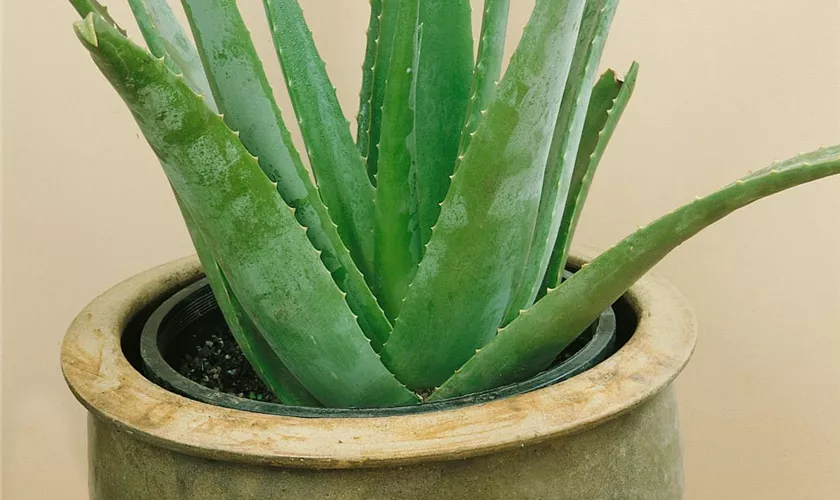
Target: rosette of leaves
[[426, 256]]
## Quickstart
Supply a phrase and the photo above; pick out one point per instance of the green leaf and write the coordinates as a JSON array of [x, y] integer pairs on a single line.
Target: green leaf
[[338, 167], [384, 47], [488, 67], [442, 90], [85, 7], [259, 354], [272, 268], [166, 38], [597, 18], [245, 97], [478, 248], [364, 115], [530, 343], [609, 99], [397, 244], [425, 101]]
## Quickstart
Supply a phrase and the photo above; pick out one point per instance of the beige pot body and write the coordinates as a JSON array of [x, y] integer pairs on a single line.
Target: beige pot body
[[609, 433]]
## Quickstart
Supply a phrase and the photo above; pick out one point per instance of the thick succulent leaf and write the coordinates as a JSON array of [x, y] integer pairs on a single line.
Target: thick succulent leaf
[[533, 340], [384, 47], [264, 253], [85, 7], [442, 90], [259, 354], [488, 66], [597, 18], [397, 245], [363, 117], [425, 101], [338, 167], [166, 38], [609, 99], [478, 248], [245, 97]]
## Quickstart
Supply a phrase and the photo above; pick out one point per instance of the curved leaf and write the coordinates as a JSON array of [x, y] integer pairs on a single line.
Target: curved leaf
[[535, 338]]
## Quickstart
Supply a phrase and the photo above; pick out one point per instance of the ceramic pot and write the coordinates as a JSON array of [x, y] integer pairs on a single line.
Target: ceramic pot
[[610, 432]]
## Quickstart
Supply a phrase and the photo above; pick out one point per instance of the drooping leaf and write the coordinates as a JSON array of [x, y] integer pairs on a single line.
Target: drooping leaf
[[488, 66], [530, 343], [477, 251], [296, 306], [256, 350], [166, 38], [338, 167], [597, 18], [245, 97], [609, 99]]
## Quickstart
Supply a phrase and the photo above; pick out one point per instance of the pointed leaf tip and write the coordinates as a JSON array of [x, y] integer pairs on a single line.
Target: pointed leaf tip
[[86, 31]]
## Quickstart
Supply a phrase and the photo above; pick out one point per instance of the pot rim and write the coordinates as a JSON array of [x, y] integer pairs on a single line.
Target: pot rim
[[104, 381]]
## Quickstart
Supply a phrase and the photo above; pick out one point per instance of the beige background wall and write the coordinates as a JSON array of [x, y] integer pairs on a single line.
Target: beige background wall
[[726, 86]]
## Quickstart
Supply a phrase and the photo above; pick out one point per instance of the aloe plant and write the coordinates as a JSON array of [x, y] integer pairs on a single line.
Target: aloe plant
[[426, 257]]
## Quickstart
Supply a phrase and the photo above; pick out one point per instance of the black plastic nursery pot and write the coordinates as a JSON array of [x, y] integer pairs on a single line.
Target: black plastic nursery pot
[[185, 321], [601, 423]]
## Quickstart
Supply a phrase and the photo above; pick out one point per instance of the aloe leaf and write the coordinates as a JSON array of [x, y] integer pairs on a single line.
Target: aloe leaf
[[488, 66], [338, 167], [245, 97], [259, 354], [535, 338], [478, 249], [597, 18], [425, 101], [166, 38], [85, 7], [272, 268], [609, 99], [397, 235], [384, 47], [363, 117], [442, 91]]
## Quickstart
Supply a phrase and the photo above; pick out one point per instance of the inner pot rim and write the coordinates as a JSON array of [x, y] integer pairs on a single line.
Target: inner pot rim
[[191, 302]]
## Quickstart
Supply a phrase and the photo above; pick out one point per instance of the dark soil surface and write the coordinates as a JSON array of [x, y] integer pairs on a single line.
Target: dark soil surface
[[219, 364]]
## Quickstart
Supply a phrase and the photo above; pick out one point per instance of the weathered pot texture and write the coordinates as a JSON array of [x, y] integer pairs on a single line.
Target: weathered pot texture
[[609, 433]]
